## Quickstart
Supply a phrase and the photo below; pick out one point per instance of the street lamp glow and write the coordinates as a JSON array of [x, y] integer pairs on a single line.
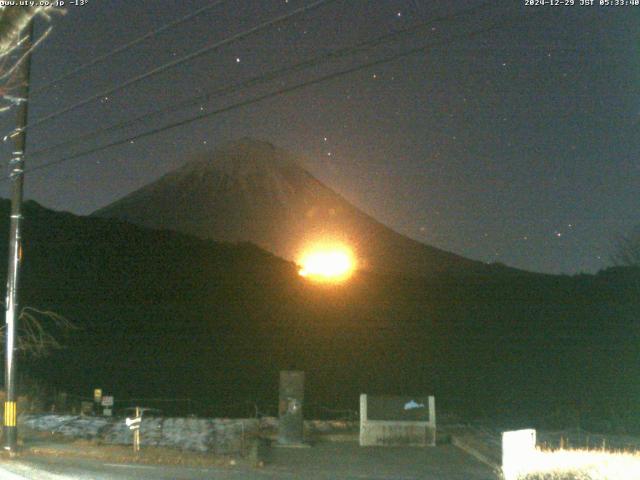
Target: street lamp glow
[[327, 264]]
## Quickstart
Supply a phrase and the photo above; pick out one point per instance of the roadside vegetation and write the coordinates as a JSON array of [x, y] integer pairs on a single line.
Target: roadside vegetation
[[578, 464]]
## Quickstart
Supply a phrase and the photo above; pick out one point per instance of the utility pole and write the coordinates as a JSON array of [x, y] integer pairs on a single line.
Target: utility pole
[[16, 167]]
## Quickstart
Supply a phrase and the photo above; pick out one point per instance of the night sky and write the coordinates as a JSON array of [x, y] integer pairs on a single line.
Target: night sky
[[518, 144]]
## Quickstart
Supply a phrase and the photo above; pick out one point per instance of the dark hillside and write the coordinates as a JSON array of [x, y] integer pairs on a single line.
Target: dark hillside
[[168, 315]]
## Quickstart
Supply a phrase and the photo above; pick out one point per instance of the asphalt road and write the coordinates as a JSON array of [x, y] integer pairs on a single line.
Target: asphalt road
[[339, 461]]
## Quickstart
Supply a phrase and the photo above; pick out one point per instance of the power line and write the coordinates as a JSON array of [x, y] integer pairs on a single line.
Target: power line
[[266, 96], [186, 58], [263, 78], [126, 46]]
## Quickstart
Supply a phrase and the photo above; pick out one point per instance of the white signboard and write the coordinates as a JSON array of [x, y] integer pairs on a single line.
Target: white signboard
[[107, 401], [133, 423]]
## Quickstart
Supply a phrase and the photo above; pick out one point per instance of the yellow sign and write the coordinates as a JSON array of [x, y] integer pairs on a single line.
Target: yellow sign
[[97, 395], [9, 414]]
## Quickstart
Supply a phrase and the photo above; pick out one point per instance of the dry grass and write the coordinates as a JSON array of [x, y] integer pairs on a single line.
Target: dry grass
[[577, 464], [125, 454]]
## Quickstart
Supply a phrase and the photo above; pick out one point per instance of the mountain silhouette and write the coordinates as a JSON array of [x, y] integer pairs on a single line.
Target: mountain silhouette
[[252, 191]]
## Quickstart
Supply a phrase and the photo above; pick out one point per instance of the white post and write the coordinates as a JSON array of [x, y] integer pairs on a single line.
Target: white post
[[136, 432], [432, 411], [363, 415]]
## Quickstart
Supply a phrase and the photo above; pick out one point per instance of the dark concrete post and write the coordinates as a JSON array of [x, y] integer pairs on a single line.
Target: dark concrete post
[[290, 430]]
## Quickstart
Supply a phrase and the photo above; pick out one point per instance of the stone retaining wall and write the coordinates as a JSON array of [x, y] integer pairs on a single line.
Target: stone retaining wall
[[216, 435]]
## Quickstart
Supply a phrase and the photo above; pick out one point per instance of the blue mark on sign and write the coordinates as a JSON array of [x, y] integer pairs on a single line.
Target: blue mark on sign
[[412, 404]]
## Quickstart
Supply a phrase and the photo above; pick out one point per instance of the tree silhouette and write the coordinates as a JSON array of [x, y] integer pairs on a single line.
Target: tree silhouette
[[39, 331], [13, 23]]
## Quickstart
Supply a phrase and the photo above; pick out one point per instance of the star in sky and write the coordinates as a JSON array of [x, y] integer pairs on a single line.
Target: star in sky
[[531, 124]]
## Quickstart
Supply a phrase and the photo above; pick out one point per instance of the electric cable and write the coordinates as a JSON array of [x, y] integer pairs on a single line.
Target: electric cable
[[180, 61], [126, 46], [259, 79], [266, 96]]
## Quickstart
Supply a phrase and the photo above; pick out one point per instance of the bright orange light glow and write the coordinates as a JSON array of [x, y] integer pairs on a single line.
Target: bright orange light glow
[[334, 263]]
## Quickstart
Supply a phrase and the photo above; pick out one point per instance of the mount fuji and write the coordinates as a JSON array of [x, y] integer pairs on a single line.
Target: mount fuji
[[252, 191]]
